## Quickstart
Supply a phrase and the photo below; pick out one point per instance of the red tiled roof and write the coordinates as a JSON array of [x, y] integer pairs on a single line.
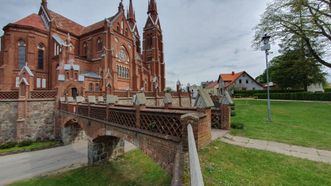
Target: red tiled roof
[[32, 20], [96, 26], [231, 77], [212, 84], [65, 23]]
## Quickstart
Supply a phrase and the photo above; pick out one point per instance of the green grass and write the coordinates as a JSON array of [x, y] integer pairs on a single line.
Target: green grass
[[224, 164], [298, 123], [32, 147], [134, 169]]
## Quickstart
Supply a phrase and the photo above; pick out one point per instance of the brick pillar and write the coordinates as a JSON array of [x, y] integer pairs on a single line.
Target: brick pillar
[[201, 128], [225, 120], [104, 148]]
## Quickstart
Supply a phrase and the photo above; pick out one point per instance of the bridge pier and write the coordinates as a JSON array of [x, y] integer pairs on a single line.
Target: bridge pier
[[104, 148]]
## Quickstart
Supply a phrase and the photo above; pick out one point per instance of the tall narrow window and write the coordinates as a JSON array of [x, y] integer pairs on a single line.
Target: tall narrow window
[[99, 44], [149, 42], [85, 49], [90, 87], [41, 50], [97, 87], [21, 54]]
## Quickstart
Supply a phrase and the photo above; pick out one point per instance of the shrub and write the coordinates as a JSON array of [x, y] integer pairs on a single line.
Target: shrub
[[252, 93], [298, 96], [237, 125], [8, 145], [25, 143], [233, 113]]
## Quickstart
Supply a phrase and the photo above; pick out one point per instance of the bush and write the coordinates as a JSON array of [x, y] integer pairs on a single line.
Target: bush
[[297, 96], [8, 145], [327, 90], [252, 93], [233, 113], [237, 125], [25, 143]]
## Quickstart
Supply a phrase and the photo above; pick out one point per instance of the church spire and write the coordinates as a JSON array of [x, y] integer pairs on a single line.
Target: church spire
[[44, 3], [131, 13], [121, 7], [152, 7]]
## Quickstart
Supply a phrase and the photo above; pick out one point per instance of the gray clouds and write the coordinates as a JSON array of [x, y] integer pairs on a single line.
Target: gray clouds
[[202, 38]]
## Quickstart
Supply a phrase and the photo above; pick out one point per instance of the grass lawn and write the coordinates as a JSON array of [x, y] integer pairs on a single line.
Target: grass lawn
[[134, 169], [32, 147], [224, 164], [304, 124]]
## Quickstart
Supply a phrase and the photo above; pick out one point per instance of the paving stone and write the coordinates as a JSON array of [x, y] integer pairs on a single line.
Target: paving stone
[[257, 144], [281, 148], [304, 150], [324, 153]]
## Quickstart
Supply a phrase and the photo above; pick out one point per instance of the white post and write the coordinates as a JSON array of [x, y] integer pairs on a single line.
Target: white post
[[195, 170]]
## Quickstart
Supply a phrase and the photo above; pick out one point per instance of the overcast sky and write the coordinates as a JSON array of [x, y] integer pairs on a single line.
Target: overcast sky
[[202, 38]]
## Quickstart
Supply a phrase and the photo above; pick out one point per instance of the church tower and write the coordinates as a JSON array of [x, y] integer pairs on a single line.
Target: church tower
[[153, 46]]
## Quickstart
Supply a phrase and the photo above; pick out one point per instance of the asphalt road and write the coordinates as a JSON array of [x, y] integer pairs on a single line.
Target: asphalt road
[[30, 164]]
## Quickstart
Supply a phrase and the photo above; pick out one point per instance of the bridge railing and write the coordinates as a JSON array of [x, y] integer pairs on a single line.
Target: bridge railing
[[154, 120], [195, 169]]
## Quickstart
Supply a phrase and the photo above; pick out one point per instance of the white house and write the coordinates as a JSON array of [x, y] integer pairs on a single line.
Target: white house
[[240, 81]]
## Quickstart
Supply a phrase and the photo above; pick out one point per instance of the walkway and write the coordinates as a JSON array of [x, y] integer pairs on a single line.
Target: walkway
[[30, 164], [281, 148]]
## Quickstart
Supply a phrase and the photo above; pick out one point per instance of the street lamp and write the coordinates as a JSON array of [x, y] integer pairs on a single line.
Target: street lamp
[[266, 47]]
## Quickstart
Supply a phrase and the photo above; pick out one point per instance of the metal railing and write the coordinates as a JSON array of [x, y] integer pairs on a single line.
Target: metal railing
[[195, 169]]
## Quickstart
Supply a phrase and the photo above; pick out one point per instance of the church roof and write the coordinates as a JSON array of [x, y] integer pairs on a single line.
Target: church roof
[[32, 20], [65, 24], [96, 26], [90, 75]]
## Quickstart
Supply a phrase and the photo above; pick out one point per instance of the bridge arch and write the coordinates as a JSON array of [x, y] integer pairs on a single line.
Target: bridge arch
[[72, 131]]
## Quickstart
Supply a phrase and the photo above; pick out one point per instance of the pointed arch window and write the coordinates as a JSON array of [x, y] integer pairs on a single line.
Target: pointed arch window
[[91, 87], [99, 44], [85, 48], [97, 87], [41, 53], [21, 54]]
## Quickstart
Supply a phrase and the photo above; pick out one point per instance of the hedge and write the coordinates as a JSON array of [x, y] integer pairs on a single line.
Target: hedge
[[297, 96], [327, 90], [251, 93]]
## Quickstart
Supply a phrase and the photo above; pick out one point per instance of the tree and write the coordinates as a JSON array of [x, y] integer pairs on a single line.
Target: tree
[[290, 70], [309, 20], [168, 90]]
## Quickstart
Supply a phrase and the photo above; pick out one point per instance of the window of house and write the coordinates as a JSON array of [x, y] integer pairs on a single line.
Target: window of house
[[21, 54], [240, 81], [99, 44], [246, 81], [41, 50]]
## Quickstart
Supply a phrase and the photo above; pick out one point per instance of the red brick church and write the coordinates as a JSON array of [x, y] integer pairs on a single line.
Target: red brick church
[[59, 54]]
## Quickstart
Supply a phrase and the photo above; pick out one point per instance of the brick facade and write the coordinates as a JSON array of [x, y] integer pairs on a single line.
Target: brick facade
[[106, 56]]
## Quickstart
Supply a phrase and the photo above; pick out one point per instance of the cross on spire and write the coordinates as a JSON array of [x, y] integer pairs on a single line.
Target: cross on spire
[[120, 6]]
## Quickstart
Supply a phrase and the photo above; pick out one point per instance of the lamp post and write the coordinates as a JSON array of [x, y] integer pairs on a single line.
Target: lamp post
[[266, 47]]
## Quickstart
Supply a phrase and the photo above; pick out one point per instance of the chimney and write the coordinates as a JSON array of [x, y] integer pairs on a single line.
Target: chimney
[[233, 73]]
